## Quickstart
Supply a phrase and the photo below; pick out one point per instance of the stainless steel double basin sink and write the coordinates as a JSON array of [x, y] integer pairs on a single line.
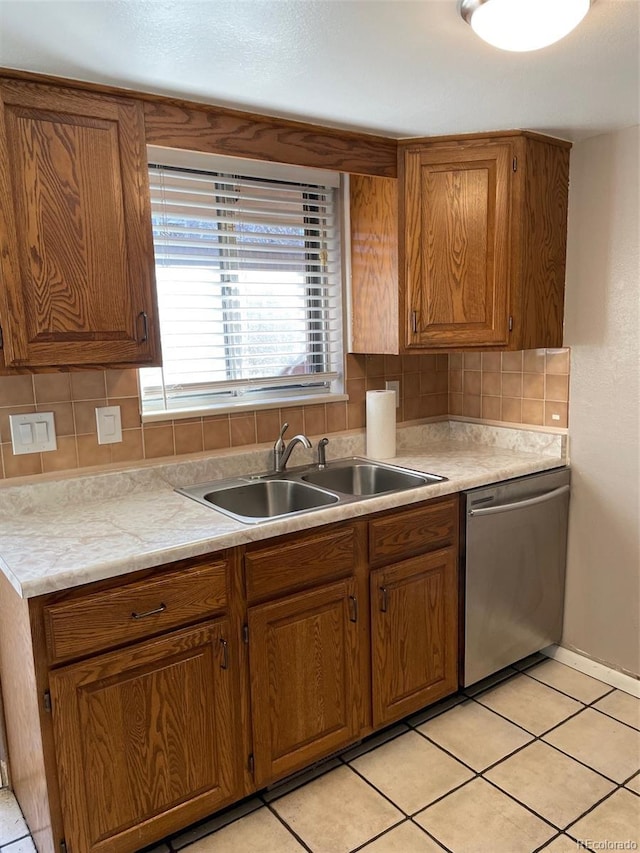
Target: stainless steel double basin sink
[[262, 497]]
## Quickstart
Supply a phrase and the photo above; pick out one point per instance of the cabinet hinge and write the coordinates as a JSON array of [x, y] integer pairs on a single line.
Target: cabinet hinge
[[46, 701], [245, 634], [63, 846], [510, 323], [514, 164], [251, 763]]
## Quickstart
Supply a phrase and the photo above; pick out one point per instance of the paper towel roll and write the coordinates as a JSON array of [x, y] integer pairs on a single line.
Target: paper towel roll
[[381, 424]]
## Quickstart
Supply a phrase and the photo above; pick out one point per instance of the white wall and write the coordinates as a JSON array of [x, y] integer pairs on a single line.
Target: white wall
[[602, 327]]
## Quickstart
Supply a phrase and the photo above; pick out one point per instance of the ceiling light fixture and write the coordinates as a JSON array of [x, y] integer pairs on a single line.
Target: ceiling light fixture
[[522, 25]]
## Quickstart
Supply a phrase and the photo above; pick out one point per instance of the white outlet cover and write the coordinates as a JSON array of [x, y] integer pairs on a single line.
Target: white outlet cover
[[33, 433], [109, 424]]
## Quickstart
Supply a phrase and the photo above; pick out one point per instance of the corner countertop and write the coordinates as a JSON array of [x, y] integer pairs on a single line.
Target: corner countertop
[[62, 533]]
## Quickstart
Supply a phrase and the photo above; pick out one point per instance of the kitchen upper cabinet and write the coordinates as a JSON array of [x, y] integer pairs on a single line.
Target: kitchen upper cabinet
[[145, 738], [483, 242], [305, 669], [76, 251], [414, 632]]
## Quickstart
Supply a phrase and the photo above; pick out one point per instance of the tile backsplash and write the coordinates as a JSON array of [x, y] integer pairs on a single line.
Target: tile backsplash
[[528, 388]]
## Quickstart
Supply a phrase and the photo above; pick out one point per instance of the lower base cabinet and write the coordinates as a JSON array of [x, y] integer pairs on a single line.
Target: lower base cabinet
[[414, 628], [137, 706], [304, 663], [145, 739]]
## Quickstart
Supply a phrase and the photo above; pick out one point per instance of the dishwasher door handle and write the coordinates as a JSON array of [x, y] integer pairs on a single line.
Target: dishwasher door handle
[[548, 496]]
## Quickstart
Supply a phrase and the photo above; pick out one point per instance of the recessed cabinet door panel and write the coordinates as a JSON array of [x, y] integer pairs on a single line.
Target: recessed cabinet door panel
[[142, 733], [77, 259], [457, 245], [304, 671], [414, 634]]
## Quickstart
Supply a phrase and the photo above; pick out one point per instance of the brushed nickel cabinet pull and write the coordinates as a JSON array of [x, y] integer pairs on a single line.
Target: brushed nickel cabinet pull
[[384, 600], [145, 327], [154, 612], [225, 654], [414, 322], [353, 605]]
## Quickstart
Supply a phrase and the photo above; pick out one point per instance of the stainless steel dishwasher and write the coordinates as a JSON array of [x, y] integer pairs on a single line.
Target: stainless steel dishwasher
[[514, 567]]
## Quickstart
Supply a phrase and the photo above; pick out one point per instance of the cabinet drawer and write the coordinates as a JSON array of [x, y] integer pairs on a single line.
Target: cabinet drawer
[[308, 560], [413, 531], [112, 617]]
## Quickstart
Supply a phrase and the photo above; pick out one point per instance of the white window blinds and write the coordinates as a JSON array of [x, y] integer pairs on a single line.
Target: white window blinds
[[249, 288]]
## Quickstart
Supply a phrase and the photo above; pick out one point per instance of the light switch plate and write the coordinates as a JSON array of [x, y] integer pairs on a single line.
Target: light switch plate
[[109, 424], [33, 433]]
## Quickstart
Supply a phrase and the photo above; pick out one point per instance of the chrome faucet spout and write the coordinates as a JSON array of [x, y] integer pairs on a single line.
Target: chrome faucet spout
[[281, 463]]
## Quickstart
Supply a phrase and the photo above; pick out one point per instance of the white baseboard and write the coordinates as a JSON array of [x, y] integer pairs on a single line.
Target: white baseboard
[[596, 670]]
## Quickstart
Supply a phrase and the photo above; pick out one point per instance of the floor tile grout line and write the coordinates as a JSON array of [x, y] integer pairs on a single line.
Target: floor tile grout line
[[622, 722], [570, 825], [386, 831], [563, 692], [304, 845], [431, 836]]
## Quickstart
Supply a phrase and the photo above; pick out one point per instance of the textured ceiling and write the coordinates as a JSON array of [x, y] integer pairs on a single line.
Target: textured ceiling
[[396, 67]]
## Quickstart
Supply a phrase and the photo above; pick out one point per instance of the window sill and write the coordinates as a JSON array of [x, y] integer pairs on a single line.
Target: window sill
[[211, 411]]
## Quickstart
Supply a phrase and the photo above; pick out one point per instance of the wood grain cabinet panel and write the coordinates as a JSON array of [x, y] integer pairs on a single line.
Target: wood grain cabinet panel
[[146, 739], [414, 630], [483, 241], [105, 619], [404, 533], [76, 250], [304, 663]]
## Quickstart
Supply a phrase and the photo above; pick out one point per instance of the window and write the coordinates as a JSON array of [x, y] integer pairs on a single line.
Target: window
[[248, 271]]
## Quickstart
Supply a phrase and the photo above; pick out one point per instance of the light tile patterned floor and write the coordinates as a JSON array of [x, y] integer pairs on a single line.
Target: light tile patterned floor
[[537, 759]]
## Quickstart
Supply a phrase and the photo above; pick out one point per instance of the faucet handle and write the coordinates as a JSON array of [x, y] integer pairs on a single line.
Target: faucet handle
[[283, 429]]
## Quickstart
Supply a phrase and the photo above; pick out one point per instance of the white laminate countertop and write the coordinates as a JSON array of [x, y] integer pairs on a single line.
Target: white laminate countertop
[[58, 534]]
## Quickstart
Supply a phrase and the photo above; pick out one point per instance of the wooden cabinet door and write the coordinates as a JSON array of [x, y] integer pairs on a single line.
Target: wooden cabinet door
[[146, 739], [414, 634], [76, 249], [304, 663], [457, 208]]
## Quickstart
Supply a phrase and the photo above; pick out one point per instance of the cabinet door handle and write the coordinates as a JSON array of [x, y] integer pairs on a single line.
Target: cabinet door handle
[[145, 327], [154, 612], [383, 599], [225, 654], [414, 322], [353, 606]]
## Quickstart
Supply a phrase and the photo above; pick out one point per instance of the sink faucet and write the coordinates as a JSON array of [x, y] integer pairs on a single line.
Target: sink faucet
[[322, 453], [282, 451]]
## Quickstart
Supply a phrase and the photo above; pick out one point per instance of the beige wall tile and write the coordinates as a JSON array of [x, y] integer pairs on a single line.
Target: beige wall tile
[[557, 361], [295, 418], [512, 384], [512, 362], [52, 387], [428, 363], [412, 408], [188, 437], [491, 384], [456, 361], [455, 380], [411, 363], [556, 388], [16, 391], [122, 383], [471, 405], [472, 361], [392, 364], [534, 360], [64, 458], [374, 365], [411, 385], [336, 416], [91, 453], [267, 425], [442, 381], [512, 410], [533, 412], [88, 385], [556, 414], [63, 417], [355, 415], [428, 382], [355, 367], [374, 383], [217, 433], [84, 413], [243, 429], [158, 441], [20, 466], [492, 361], [471, 382], [5, 431], [533, 386], [491, 408], [434, 404], [129, 411], [455, 404], [443, 361], [130, 449], [315, 420]]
